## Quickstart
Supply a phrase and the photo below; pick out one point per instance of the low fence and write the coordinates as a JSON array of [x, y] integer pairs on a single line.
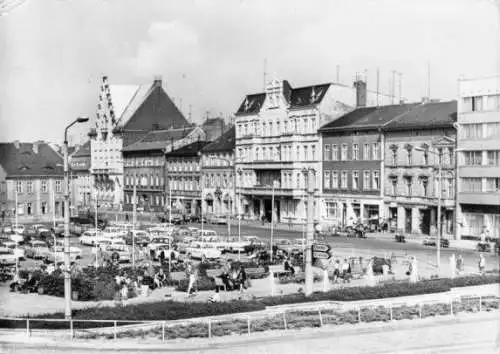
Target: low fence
[[300, 316]]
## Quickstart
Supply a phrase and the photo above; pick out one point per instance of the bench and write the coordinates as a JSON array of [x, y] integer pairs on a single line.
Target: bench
[[255, 273], [279, 270]]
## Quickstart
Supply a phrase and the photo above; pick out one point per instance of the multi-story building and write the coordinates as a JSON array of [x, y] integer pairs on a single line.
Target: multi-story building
[[81, 180], [478, 201], [144, 166], [217, 163], [213, 128], [183, 172], [33, 172], [125, 114], [415, 144], [277, 140], [352, 148]]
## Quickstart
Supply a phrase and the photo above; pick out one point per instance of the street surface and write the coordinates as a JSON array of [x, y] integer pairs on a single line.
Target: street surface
[[478, 334]]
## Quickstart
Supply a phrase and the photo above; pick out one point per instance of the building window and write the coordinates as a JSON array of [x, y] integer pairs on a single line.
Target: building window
[[44, 208], [366, 180], [19, 187], [331, 210], [366, 151], [313, 152], [335, 152], [306, 153], [471, 131], [473, 158], [355, 152], [29, 186], [409, 156], [29, 208], [408, 183], [44, 186], [376, 151], [425, 157], [492, 184], [58, 186], [343, 153], [425, 187], [327, 181], [355, 180], [394, 186], [298, 153], [394, 157], [343, 180], [472, 184], [375, 180], [493, 157], [335, 179]]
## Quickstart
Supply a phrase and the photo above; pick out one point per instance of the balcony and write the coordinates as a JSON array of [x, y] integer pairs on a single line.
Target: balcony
[[261, 190], [490, 198]]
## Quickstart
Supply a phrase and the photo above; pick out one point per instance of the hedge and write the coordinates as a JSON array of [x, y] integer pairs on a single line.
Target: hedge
[[169, 310]]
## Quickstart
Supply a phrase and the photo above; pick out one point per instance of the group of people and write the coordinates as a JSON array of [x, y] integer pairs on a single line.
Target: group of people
[[141, 284], [234, 278], [343, 271]]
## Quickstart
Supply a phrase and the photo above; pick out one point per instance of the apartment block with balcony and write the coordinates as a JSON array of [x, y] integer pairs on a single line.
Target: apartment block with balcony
[[416, 144], [478, 201], [277, 141]]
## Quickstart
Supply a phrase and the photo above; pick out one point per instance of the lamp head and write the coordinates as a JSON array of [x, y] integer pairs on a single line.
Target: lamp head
[[82, 119]]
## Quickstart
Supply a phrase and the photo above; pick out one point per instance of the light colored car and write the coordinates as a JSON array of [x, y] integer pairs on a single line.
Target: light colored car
[[205, 251], [121, 252], [207, 233], [113, 231], [73, 250], [37, 249], [19, 229], [217, 219], [159, 241], [91, 238], [7, 257], [18, 251], [168, 253], [7, 229]]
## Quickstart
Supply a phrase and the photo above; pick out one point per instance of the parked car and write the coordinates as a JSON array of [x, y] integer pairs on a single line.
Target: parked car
[[119, 252], [37, 249], [164, 252], [19, 229], [432, 241], [7, 257], [18, 251], [216, 219], [58, 230], [255, 245], [92, 238], [203, 252]]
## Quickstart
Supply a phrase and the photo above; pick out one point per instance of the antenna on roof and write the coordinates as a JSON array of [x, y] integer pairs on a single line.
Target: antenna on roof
[[378, 85], [393, 88], [265, 73], [400, 87]]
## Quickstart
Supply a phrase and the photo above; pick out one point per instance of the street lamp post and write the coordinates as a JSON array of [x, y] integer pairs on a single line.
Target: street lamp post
[[272, 217], [310, 229], [67, 263], [240, 172]]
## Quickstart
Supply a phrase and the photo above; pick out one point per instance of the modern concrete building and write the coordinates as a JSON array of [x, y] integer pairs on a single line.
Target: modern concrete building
[[33, 171], [217, 164], [415, 144], [125, 114], [478, 204]]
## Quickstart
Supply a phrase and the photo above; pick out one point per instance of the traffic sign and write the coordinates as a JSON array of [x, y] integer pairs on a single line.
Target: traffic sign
[[321, 255], [321, 247]]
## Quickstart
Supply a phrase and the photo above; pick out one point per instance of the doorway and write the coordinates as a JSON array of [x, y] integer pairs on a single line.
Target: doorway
[[408, 220], [425, 222]]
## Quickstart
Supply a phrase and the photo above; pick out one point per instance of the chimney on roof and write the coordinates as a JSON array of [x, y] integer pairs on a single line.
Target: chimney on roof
[[36, 146], [360, 86], [17, 144], [157, 81]]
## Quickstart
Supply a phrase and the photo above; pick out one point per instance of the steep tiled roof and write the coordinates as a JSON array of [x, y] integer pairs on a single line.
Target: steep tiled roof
[[158, 139], [83, 151], [428, 115], [126, 99], [308, 95], [26, 162], [367, 118], [224, 144], [192, 149]]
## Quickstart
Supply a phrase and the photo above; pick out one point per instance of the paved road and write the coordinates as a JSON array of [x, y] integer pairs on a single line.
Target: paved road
[[343, 246], [470, 334]]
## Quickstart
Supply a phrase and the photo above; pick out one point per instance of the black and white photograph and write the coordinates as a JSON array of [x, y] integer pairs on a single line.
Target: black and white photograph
[[250, 176]]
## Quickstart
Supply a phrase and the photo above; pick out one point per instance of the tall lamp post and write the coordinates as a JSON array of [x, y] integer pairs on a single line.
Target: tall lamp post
[[310, 228], [67, 263], [439, 155]]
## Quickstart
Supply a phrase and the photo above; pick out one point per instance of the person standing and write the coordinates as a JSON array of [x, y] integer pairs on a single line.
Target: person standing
[[460, 264], [346, 271], [336, 271], [482, 264]]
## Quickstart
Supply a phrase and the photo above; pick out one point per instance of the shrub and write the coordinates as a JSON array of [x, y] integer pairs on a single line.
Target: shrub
[[202, 284]]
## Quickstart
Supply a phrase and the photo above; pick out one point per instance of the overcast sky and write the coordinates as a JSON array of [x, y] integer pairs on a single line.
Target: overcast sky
[[211, 52]]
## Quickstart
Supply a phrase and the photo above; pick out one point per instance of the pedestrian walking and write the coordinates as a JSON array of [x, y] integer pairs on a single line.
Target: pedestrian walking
[[460, 264]]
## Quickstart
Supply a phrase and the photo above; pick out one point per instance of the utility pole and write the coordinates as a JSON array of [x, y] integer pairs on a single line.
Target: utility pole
[[438, 242], [134, 220], [393, 86], [378, 86], [310, 231], [67, 265]]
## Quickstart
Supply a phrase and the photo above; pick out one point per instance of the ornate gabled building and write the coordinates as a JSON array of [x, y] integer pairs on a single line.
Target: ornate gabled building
[[125, 114], [144, 166], [217, 163], [277, 140]]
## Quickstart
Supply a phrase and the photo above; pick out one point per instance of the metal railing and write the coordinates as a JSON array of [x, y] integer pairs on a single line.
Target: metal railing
[[275, 318]]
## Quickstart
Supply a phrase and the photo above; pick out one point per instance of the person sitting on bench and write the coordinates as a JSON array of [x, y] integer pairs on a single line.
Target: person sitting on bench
[[287, 266]]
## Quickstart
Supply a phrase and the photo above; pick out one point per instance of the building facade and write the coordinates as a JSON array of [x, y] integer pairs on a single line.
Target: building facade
[[33, 172], [478, 202], [352, 165], [416, 143], [125, 114], [277, 141], [81, 179], [218, 175], [183, 176], [144, 166]]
